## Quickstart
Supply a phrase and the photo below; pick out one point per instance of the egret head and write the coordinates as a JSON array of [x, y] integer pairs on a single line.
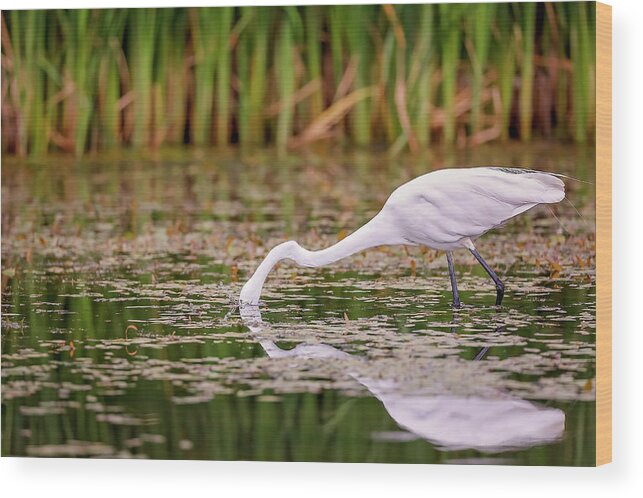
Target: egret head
[[251, 291]]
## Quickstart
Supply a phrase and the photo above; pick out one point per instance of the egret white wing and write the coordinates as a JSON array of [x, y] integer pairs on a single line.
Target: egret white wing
[[446, 206]]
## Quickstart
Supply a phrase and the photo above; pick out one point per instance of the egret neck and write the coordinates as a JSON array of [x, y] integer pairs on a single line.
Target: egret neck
[[370, 235]]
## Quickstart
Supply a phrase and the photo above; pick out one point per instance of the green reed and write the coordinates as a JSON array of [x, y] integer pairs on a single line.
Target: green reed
[[420, 73], [313, 32], [259, 81], [243, 56], [385, 106], [175, 80], [392, 70], [528, 25], [27, 80], [357, 21], [580, 51], [222, 29], [450, 34], [141, 28], [163, 37], [397, 76], [336, 29], [109, 82], [505, 64], [204, 39], [483, 14], [286, 80], [79, 73]]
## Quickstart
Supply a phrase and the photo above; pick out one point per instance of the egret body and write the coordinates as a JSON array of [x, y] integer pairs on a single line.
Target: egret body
[[446, 209]]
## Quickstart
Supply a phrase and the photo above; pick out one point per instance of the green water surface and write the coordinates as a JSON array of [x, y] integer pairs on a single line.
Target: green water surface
[[120, 336]]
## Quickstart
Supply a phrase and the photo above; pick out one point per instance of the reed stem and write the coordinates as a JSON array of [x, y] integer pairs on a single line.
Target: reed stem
[[81, 80]]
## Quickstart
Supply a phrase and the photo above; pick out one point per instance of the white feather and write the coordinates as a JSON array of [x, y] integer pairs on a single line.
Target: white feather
[[448, 208]]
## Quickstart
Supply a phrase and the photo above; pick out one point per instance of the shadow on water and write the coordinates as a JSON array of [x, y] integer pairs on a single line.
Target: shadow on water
[[478, 417]]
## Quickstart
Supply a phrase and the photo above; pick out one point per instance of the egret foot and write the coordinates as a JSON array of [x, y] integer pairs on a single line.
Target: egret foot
[[500, 292]]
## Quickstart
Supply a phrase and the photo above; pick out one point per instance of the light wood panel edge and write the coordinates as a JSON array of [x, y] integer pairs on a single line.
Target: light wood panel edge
[[603, 233]]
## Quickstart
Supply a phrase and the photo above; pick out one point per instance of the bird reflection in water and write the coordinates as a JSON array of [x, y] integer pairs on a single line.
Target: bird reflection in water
[[487, 421]]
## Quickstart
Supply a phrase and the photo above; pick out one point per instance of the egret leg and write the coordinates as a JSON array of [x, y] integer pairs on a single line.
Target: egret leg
[[454, 284], [500, 287], [481, 354]]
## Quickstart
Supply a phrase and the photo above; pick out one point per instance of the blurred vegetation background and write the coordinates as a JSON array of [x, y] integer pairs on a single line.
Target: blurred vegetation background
[[396, 77]]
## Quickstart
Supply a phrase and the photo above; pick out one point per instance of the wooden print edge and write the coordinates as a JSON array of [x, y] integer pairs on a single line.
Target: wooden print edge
[[603, 233]]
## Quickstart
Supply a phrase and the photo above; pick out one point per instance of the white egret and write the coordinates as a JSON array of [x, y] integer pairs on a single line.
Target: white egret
[[446, 210]]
